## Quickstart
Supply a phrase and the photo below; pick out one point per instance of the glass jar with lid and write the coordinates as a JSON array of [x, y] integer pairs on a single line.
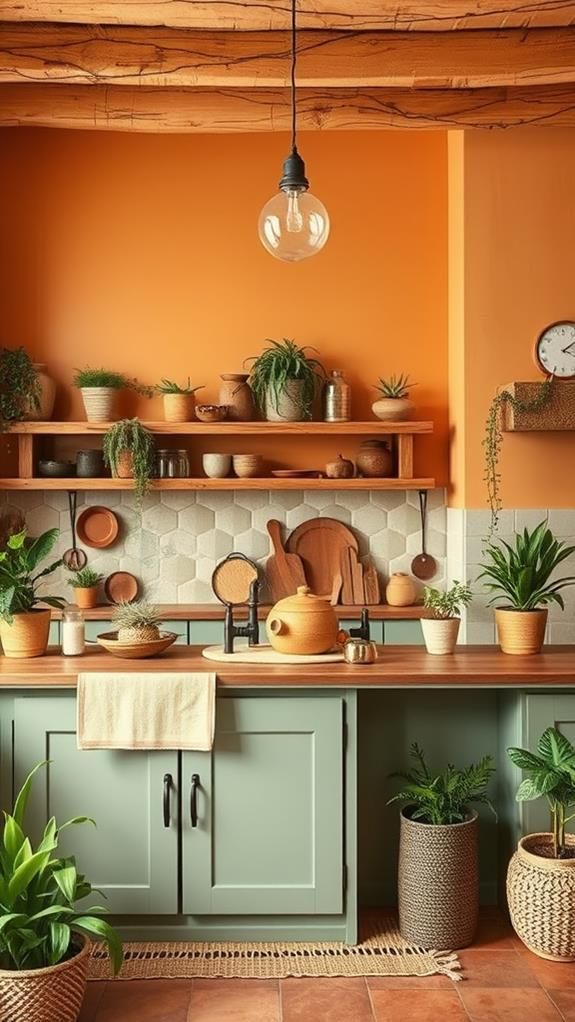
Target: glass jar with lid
[[173, 464], [73, 631]]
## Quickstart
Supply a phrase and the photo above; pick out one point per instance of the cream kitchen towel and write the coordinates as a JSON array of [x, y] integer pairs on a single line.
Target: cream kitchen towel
[[146, 711]]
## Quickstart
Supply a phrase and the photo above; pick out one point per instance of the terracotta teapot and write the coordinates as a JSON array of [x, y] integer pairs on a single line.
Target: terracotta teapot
[[302, 624]]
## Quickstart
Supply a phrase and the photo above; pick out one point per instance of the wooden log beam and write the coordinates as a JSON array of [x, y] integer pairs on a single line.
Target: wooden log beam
[[241, 110], [256, 15], [83, 54]]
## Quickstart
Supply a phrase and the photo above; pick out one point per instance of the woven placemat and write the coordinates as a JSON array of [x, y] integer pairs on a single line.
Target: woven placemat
[[382, 951]]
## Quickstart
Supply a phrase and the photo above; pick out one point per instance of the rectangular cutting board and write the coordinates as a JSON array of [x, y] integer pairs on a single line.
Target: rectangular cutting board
[[266, 655]]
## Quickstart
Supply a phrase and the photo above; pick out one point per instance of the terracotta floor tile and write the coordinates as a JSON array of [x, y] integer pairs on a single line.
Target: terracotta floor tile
[[505, 1005], [565, 1001], [551, 975], [94, 992], [409, 982], [325, 1000], [244, 1000], [154, 1000], [484, 968], [417, 1006]]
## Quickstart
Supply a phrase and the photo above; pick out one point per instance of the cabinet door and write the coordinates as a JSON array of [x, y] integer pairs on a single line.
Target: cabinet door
[[270, 809], [542, 712], [130, 854]]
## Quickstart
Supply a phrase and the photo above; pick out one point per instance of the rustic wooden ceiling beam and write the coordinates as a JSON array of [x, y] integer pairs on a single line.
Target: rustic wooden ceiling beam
[[84, 54], [256, 15], [242, 110]]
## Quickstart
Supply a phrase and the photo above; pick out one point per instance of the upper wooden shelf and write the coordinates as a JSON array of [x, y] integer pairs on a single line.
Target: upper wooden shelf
[[232, 428], [230, 483]]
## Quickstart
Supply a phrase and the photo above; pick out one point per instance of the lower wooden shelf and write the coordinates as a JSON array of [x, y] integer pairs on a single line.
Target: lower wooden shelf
[[266, 483]]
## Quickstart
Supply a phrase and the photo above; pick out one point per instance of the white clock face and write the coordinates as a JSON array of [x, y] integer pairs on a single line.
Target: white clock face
[[555, 350]]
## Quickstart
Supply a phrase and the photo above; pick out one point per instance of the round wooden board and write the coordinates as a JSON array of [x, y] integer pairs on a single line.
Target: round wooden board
[[122, 587], [321, 544], [266, 655]]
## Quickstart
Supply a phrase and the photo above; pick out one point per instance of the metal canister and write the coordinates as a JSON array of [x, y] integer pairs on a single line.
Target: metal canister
[[337, 398]]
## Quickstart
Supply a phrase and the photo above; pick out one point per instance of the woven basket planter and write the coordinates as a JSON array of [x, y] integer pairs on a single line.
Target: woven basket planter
[[438, 884], [521, 632], [541, 897], [54, 994], [99, 403]]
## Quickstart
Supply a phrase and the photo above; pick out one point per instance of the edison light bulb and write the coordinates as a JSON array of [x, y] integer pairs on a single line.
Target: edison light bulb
[[293, 225]]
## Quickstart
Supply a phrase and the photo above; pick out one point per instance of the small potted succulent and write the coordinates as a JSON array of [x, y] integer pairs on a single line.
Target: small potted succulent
[[179, 402], [24, 624], [438, 882], [393, 404], [137, 622], [129, 452], [441, 628], [284, 381], [541, 874], [85, 585], [520, 574], [45, 922]]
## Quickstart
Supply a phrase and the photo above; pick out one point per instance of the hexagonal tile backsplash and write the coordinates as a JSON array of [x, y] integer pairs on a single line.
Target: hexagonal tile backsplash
[[183, 535]]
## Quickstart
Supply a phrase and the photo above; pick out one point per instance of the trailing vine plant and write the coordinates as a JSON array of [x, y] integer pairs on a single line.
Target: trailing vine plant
[[493, 441]]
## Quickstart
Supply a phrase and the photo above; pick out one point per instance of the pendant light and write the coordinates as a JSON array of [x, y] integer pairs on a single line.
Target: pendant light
[[293, 225]]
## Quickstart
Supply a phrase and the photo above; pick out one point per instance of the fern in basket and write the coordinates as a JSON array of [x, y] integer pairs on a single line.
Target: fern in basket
[[446, 797]]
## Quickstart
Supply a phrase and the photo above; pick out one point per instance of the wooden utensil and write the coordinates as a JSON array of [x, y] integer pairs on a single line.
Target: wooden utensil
[[346, 578], [423, 566], [284, 571], [320, 543], [337, 582], [371, 585], [356, 570]]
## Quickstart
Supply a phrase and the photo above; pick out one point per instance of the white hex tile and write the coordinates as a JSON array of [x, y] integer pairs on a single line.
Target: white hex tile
[[341, 514], [251, 499], [437, 518], [204, 570], [562, 523], [233, 519], [196, 591], [435, 498], [163, 592], [353, 499], [177, 569], [369, 519], [196, 519], [387, 544], [216, 500], [286, 499], [300, 514], [387, 499], [404, 519], [262, 515], [480, 633], [255, 545], [178, 542], [39, 519], [142, 544], [318, 499], [58, 499], [178, 499], [160, 519], [215, 544], [109, 498]]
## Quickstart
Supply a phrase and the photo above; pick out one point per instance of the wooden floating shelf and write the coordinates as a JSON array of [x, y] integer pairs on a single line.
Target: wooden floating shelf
[[265, 483], [231, 428]]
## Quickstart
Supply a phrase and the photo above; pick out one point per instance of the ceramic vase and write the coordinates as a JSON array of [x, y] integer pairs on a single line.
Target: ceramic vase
[[374, 459], [393, 409], [400, 590], [440, 634], [46, 396], [236, 394]]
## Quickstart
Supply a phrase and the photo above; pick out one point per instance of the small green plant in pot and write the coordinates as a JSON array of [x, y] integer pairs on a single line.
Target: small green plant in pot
[[179, 401], [24, 624], [441, 628], [99, 388], [438, 882], [284, 381], [20, 389], [44, 921], [393, 404], [129, 452], [85, 585], [541, 874], [519, 575]]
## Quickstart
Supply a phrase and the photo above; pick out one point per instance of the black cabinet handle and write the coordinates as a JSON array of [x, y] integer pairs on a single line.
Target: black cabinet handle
[[166, 800], [194, 799]]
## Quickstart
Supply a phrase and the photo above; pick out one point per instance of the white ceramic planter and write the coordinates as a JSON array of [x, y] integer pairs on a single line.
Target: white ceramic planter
[[440, 635], [393, 409], [99, 403]]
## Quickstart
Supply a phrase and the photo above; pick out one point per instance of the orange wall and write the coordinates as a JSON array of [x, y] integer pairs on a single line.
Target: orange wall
[[139, 252]]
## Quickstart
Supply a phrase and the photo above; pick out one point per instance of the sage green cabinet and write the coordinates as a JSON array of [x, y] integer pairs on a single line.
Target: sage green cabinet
[[269, 832], [542, 711]]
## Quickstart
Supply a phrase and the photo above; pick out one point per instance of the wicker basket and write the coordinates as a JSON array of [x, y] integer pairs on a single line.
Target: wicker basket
[[54, 994], [438, 883], [541, 897]]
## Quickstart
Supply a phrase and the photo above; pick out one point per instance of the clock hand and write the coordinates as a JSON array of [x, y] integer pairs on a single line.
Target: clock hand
[[568, 351]]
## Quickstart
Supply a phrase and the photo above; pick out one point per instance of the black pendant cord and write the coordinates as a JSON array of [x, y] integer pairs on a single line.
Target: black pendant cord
[[293, 178], [293, 74]]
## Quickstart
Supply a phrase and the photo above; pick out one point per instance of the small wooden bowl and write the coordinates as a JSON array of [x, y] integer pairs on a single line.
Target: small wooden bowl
[[248, 466], [136, 650], [211, 413]]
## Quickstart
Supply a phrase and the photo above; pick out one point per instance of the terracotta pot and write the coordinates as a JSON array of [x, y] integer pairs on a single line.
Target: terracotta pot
[[46, 396], [124, 467], [236, 394], [393, 409], [53, 994], [440, 634], [86, 598], [341, 468], [179, 407], [541, 899], [374, 459], [287, 408], [302, 624], [521, 632], [99, 403], [27, 636], [400, 590]]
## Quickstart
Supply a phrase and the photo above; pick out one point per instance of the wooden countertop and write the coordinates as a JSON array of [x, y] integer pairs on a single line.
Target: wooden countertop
[[397, 667], [215, 612]]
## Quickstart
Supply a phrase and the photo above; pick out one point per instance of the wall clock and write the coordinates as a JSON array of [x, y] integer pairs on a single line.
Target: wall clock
[[555, 350]]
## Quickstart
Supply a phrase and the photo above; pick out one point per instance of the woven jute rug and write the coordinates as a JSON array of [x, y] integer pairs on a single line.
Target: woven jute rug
[[382, 951]]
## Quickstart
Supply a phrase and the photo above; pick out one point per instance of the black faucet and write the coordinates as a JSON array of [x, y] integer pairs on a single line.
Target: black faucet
[[251, 630], [363, 631]]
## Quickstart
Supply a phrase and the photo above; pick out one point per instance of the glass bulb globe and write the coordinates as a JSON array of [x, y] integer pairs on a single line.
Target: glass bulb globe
[[293, 225]]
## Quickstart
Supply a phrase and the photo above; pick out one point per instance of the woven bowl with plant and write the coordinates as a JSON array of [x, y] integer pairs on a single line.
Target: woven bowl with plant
[[137, 622]]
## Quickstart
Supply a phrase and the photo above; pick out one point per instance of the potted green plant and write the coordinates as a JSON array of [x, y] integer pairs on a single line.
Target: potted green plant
[[99, 388], [27, 392], [179, 402], [137, 622], [284, 381], [441, 629], [520, 573], [393, 404], [24, 625], [129, 454], [85, 585], [438, 881], [44, 945], [541, 874]]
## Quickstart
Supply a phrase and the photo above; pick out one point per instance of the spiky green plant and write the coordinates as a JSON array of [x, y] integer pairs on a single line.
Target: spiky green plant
[[130, 435], [20, 575], [19, 386], [448, 604], [522, 573], [86, 578], [89, 377], [279, 363], [170, 387], [395, 386], [136, 615], [446, 797], [551, 775]]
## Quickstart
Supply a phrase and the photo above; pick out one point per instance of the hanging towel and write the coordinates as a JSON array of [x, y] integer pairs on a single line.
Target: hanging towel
[[146, 711]]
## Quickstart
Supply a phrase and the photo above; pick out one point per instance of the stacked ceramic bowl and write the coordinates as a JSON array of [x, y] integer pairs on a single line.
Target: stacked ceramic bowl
[[248, 466]]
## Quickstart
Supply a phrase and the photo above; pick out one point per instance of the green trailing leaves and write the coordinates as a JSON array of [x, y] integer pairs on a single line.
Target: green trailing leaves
[[128, 435], [551, 775], [522, 574], [447, 797]]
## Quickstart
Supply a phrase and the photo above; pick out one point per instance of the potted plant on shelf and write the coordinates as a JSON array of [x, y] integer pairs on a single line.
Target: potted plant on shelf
[[179, 402], [137, 622], [129, 454], [27, 391], [438, 882], [541, 874], [393, 405], [285, 381], [441, 630], [44, 947], [24, 626], [85, 585], [521, 574]]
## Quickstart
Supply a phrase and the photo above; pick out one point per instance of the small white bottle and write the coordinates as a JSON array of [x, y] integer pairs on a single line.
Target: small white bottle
[[73, 632]]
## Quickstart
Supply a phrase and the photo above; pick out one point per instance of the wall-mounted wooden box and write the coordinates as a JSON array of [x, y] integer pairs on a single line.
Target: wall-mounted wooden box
[[558, 413]]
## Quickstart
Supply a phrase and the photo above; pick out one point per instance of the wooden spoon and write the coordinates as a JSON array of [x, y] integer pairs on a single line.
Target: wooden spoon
[[423, 566]]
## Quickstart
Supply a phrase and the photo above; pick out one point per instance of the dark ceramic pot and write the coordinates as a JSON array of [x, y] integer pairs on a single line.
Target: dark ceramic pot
[[90, 464]]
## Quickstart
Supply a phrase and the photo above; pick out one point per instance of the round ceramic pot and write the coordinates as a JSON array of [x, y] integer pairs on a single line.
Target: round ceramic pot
[[53, 994], [236, 394], [541, 898], [374, 459], [341, 468], [99, 403], [27, 636], [521, 632], [440, 635], [86, 598], [287, 407], [302, 624], [46, 396], [217, 466], [179, 407], [438, 882], [248, 466], [124, 467], [90, 464], [400, 590], [393, 409]]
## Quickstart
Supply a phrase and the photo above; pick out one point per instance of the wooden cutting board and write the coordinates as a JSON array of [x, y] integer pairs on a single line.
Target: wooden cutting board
[[371, 585], [284, 571], [267, 655], [320, 542], [356, 571]]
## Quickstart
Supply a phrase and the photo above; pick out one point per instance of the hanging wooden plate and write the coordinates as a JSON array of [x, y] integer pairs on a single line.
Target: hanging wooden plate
[[320, 542], [121, 587], [97, 527]]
